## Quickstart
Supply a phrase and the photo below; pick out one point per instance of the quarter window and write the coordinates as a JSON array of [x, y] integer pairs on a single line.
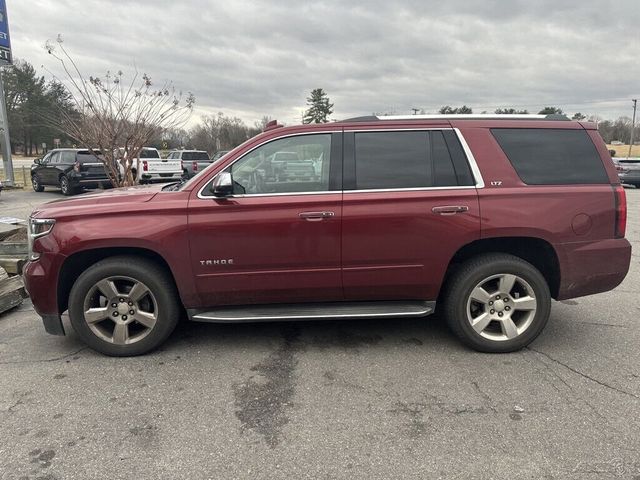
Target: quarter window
[[287, 165], [545, 156]]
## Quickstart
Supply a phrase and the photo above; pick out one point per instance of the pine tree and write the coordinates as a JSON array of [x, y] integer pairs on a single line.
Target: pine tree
[[319, 107]]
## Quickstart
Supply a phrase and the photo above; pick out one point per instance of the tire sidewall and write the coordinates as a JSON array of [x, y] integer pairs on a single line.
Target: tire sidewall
[[35, 183], [503, 266], [154, 278], [64, 185]]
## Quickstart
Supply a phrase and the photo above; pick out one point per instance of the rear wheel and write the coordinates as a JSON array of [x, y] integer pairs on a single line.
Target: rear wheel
[[65, 185], [497, 303], [124, 306], [35, 183]]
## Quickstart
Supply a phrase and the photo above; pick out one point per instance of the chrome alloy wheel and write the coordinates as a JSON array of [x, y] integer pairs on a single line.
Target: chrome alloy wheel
[[120, 310], [501, 307]]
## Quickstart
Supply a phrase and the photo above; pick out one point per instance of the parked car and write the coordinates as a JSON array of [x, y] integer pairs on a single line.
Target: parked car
[[70, 170], [153, 168], [628, 170], [193, 161], [483, 218]]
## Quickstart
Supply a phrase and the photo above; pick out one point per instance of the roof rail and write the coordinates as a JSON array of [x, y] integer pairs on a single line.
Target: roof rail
[[459, 116]]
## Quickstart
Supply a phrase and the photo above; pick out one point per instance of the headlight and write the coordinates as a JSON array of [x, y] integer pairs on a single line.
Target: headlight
[[36, 228]]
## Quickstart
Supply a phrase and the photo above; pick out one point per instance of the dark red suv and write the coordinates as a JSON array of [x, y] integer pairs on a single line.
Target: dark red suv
[[484, 219]]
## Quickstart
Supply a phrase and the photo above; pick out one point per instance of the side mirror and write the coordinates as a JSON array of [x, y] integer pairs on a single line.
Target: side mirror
[[222, 185], [37, 161]]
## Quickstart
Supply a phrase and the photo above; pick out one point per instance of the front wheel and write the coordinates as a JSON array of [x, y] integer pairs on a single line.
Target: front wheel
[[35, 183], [497, 303], [124, 306]]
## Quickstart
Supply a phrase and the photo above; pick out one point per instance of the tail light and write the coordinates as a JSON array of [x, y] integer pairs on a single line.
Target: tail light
[[195, 166], [620, 168], [145, 166], [76, 166], [621, 211]]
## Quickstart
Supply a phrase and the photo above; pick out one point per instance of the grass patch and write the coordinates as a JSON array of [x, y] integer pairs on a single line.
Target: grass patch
[[623, 150]]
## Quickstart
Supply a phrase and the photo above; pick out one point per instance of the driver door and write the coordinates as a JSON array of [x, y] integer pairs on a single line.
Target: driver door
[[277, 238]]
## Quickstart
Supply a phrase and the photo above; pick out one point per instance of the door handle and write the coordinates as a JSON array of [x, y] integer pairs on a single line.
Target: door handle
[[450, 209], [315, 216]]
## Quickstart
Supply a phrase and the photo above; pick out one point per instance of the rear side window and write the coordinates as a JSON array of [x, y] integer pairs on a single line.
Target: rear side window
[[551, 156], [144, 153], [195, 156], [409, 159]]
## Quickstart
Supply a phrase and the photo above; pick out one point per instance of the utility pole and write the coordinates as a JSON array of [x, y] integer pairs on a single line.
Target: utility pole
[[633, 125], [6, 139], [5, 59], [415, 110]]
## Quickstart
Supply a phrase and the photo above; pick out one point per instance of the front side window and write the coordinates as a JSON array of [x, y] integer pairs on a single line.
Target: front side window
[[287, 165]]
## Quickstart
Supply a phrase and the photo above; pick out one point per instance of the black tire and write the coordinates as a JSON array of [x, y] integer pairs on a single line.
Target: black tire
[[65, 186], [35, 183], [160, 285], [478, 269]]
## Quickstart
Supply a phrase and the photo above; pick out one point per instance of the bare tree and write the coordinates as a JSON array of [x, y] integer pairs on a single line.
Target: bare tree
[[116, 118]]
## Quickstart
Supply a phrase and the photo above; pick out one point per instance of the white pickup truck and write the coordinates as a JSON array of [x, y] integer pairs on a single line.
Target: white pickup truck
[[156, 169]]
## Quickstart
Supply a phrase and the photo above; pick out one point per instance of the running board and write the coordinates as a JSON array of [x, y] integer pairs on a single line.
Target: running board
[[311, 311]]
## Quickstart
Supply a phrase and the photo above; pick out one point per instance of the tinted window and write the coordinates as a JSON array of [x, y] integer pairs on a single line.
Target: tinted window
[[443, 171], [67, 156], [87, 157], [550, 156], [195, 156], [392, 160], [409, 160], [149, 154], [287, 165]]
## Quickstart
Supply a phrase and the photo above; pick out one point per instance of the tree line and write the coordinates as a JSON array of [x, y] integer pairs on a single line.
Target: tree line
[[32, 100]]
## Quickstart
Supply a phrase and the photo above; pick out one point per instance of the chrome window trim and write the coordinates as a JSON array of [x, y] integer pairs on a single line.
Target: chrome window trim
[[410, 189], [475, 170], [200, 195]]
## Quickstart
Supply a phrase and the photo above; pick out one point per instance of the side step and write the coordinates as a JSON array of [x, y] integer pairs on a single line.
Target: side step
[[318, 311]]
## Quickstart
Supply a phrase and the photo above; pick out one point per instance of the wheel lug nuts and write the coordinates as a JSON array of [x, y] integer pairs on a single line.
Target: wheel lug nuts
[[115, 314], [124, 317], [507, 308], [114, 305], [492, 312], [497, 297], [122, 300], [490, 303], [506, 299], [499, 314], [131, 312], [130, 303]]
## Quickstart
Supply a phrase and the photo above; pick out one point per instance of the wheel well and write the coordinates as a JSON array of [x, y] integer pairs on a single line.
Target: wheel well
[[536, 251], [80, 261]]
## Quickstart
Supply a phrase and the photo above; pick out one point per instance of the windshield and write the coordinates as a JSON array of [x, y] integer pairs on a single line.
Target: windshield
[[149, 154], [195, 156]]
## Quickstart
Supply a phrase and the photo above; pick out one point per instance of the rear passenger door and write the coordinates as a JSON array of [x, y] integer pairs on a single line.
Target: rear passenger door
[[410, 202]]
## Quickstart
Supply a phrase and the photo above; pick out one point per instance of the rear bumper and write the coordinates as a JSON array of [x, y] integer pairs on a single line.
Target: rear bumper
[[161, 177], [592, 267], [89, 181]]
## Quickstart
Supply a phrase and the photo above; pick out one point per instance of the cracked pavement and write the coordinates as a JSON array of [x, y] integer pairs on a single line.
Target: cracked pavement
[[338, 399]]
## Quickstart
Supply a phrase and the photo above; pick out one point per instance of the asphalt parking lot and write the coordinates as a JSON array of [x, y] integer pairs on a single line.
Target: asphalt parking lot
[[333, 399]]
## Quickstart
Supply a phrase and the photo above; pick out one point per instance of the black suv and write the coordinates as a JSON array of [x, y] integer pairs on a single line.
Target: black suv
[[69, 169]]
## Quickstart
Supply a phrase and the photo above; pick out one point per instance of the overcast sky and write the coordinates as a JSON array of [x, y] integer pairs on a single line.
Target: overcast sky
[[255, 58]]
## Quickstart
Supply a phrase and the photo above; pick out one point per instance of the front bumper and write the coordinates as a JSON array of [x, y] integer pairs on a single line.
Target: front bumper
[[41, 281], [592, 267]]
